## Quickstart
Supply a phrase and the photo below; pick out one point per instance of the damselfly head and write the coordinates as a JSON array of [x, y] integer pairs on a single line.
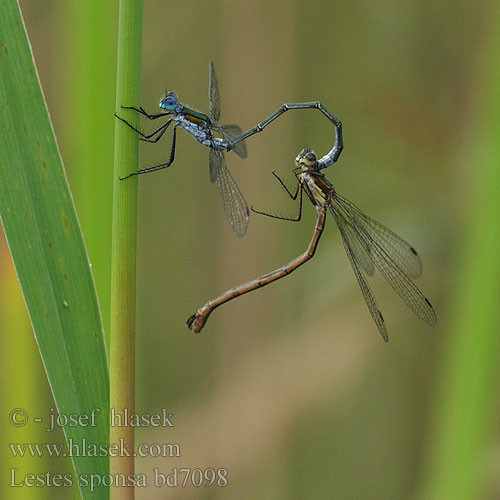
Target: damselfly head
[[169, 101], [306, 159]]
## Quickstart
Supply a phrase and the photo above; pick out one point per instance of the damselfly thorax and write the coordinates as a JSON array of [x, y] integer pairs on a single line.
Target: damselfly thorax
[[318, 188]]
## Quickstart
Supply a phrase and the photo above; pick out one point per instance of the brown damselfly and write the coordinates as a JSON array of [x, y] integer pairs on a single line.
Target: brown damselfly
[[368, 244]]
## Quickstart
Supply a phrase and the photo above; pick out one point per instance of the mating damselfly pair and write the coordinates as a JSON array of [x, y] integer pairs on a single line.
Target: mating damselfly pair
[[368, 243], [204, 128]]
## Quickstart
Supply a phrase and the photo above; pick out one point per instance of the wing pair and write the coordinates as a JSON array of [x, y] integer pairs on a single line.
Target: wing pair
[[369, 244], [235, 207]]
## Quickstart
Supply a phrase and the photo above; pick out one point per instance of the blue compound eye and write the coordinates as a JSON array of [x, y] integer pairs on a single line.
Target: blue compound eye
[[169, 102]]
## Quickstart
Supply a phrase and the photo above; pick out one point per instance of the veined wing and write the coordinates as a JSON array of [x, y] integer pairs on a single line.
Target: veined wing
[[214, 161], [401, 252], [362, 256], [382, 257], [350, 244], [235, 207], [213, 96], [230, 132]]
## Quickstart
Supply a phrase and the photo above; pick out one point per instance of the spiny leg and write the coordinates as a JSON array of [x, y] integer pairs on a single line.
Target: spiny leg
[[157, 167], [292, 219], [293, 196], [145, 113], [338, 142], [197, 320], [146, 137], [160, 131]]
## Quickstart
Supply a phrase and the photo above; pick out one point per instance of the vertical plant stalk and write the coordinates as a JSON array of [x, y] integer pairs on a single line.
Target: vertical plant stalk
[[464, 423], [123, 253]]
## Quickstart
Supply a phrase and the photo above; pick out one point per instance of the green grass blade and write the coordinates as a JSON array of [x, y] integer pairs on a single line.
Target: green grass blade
[[465, 420], [47, 247], [89, 73]]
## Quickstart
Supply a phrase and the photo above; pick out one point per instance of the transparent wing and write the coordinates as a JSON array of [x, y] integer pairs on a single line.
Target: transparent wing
[[350, 243], [230, 132], [381, 254], [213, 96], [214, 160], [235, 207], [362, 256], [401, 252]]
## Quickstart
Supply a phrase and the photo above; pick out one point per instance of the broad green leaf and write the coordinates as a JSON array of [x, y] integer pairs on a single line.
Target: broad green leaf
[[47, 248]]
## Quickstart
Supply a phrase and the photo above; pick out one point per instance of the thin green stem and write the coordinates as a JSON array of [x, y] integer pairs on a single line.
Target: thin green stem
[[122, 327], [463, 426]]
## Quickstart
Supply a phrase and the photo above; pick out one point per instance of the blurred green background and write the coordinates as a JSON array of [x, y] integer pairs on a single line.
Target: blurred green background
[[290, 388]]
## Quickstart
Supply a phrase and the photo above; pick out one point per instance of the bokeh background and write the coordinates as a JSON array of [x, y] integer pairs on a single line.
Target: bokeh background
[[290, 388]]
